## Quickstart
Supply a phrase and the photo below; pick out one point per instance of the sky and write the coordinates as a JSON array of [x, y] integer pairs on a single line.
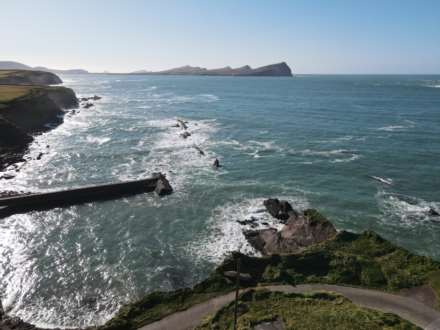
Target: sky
[[312, 36]]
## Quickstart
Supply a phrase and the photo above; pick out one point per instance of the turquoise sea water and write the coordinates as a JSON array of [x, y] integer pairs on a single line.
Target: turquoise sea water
[[313, 140]]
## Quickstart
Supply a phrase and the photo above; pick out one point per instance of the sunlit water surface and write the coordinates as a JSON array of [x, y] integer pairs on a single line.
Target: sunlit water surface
[[313, 140]]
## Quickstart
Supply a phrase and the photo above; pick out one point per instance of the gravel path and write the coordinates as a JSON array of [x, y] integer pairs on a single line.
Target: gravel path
[[407, 308]]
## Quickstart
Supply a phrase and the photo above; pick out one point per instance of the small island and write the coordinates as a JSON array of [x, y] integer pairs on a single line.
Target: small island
[[272, 70]]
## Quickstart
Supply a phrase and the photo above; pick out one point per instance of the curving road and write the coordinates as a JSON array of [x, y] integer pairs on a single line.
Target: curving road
[[407, 308]]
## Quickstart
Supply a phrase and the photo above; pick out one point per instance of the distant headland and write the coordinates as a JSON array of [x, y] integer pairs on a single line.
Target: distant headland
[[273, 70], [277, 69]]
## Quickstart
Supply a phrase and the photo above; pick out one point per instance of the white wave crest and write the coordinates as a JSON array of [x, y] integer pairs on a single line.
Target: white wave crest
[[97, 140], [226, 234], [407, 210]]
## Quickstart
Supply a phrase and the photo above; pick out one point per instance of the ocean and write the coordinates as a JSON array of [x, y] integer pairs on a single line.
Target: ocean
[[312, 140]]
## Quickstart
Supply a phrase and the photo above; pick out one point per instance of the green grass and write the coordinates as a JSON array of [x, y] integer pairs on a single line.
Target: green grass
[[9, 93], [302, 311], [363, 260], [434, 281], [157, 305]]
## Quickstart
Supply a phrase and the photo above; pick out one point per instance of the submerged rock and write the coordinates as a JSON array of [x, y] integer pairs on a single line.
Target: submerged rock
[[433, 212], [182, 124], [88, 105], [185, 134], [91, 98], [281, 210], [299, 232]]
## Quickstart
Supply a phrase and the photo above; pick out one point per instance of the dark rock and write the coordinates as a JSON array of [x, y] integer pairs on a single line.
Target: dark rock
[[216, 163], [252, 221], [201, 152], [163, 186], [281, 210], [40, 155], [7, 176], [2, 311], [244, 277], [182, 124], [299, 232], [91, 98], [433, 212], [48, 106], [88, 105], [185, 134]]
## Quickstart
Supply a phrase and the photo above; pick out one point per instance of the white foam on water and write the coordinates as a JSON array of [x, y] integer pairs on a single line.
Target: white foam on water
[[97, 140], [324, 153], [172, 98], [405, 210], [393, 128], [226, 234], [346, 160], [173, 155], [254, 148], [22, 240], [338, 139]]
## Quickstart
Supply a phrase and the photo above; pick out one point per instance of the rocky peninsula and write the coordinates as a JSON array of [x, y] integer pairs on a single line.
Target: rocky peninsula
[[29, 106], [272, 70]]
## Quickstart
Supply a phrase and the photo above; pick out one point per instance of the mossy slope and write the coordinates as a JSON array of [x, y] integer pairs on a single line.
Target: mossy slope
[[317, 311]]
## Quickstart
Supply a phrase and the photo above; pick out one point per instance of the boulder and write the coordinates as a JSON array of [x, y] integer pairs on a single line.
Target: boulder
[[185, 134], [163, 186], [433, 212], [300, 232], [244, 277], [281, 210], [182, 124], [88, 105]]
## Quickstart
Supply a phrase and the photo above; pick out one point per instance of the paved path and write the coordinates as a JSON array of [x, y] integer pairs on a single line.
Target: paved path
[[407, 308]]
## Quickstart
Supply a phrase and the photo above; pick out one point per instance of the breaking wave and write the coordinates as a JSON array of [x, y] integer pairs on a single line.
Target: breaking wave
[[405, 210], [226, 234]]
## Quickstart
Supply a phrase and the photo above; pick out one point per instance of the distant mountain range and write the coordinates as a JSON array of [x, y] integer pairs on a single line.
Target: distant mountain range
[[277, 70], [10, 65]]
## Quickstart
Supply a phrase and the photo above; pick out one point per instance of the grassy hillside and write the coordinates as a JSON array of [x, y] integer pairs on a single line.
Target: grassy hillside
[[28, 77], [364, 260], [317, 311], [9, 93]]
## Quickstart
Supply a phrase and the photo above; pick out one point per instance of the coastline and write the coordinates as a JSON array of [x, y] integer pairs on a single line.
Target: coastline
[[29, 106]]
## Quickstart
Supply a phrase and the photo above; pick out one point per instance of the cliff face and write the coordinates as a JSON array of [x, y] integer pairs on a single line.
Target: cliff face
[[29, 107], [42, 107], [279, 69], [28, 77]]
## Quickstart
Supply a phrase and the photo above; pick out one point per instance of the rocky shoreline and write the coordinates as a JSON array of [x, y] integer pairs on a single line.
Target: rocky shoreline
[[29, 106]]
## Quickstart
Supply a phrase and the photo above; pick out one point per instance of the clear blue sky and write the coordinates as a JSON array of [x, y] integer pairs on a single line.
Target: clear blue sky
[[312, 36]]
